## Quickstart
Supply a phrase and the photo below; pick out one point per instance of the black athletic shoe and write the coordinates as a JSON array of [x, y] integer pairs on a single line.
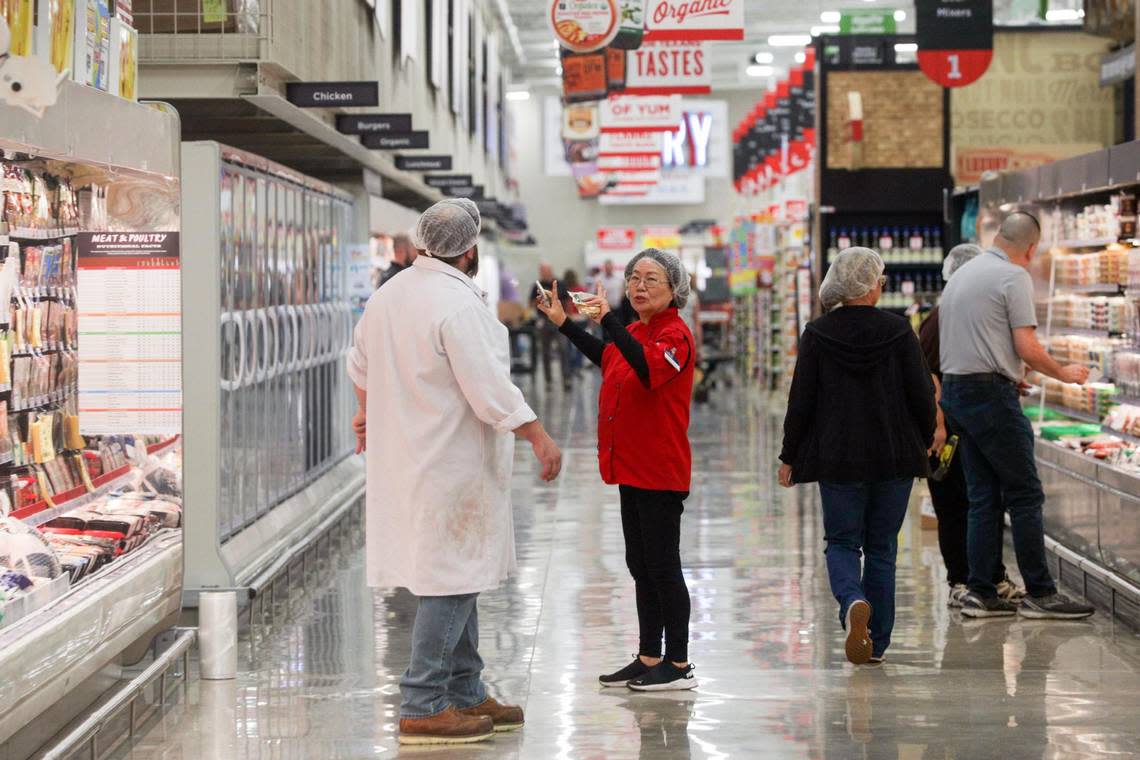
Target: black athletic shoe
[[665, 676], [974, 606], [635, 669], [1055, 607]]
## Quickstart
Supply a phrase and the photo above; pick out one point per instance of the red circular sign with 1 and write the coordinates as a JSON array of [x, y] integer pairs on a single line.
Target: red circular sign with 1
[[955, 40]]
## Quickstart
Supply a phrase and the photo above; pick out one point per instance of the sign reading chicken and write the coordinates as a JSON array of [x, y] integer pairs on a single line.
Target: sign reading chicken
[[665, 68], [583, 26], [693, 20]]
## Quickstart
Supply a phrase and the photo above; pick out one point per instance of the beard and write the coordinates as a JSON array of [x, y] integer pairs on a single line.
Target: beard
[[473, 265]]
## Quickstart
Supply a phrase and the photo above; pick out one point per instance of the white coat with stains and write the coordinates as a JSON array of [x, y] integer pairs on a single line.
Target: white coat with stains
[[441, 407]]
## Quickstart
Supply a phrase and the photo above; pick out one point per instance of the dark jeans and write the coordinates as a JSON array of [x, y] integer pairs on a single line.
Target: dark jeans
[[865, 518], [1001, 475], [952, 506], [553, 346], [651, 522]]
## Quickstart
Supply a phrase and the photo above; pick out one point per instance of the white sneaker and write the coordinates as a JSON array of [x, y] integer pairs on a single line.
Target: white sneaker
[[1009, 591], [957, 595]]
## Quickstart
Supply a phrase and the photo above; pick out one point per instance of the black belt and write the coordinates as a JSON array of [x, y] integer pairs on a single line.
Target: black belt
[[982, 377]]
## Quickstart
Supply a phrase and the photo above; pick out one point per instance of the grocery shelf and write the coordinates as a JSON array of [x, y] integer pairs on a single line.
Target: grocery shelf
[[1085, 332], [1101, 287], [1074, 413], [41, 512], [163, 447], [1093, 243]]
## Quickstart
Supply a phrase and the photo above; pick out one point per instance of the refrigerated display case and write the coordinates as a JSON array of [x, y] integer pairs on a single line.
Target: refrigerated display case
[[91, 483], [271, 323]]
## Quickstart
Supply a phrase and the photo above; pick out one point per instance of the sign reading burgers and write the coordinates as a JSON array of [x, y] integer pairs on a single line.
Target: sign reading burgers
[[583, 26]]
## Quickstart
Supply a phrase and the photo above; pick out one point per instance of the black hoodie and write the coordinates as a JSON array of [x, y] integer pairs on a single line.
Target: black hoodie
[[861, 407]]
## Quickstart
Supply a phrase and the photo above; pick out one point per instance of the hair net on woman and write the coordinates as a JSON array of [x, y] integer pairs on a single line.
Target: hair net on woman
[[958, 256], [852, 275], [450, 228], [674, 270]]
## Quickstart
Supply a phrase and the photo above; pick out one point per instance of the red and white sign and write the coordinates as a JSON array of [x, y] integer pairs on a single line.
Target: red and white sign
[[634, 176], [617, 238], [652, 113], [630, 144], [665, 68], [627, 190], [629, 163], [694, 20], [584, 26]]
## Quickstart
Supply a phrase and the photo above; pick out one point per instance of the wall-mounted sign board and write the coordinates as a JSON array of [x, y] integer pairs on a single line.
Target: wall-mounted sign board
[[363, 124], [474, 192], [450, 180], [332, 94], [396, 141], [423, 163]]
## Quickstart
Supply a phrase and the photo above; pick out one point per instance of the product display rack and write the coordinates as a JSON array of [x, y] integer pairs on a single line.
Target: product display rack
[[273, 403], [1087, 450], [57, 642]]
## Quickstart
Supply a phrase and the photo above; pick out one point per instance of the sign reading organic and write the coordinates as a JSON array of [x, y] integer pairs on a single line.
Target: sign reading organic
[[583, 26], [640, 113], [396, 140], [666, 68], [332, 94], [955, 39], [694, 20]]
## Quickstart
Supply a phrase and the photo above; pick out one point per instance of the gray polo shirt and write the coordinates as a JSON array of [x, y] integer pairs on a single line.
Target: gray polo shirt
[[983, 303]]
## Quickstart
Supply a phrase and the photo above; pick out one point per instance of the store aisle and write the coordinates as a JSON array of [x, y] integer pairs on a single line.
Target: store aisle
[[321, 682]]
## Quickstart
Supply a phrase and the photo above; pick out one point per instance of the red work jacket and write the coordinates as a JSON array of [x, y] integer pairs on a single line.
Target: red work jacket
[[643, 432]]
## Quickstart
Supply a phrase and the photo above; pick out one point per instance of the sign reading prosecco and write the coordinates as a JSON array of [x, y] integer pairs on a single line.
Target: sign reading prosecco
[[955, 39]]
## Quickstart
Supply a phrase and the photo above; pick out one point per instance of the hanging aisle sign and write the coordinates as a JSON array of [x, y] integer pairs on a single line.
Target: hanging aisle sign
[[630, 144], [955, 39], [332, 94], [362, 124], [666, 68], [633, 113], [694, 20], [395, 140], [448, 180], [423, 163], [583, 26]]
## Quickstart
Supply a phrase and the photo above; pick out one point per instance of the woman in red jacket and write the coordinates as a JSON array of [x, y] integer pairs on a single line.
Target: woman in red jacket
[[643, 448]]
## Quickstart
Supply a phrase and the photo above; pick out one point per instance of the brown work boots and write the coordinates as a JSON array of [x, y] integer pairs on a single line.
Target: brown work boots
[[453, 726]]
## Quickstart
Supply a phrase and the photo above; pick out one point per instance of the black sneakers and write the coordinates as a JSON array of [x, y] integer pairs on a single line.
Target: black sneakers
[[635, 669], [665, 676], [974, 606], [1055, 607]]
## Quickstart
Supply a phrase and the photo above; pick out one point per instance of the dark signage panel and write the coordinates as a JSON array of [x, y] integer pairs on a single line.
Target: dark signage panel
[[395, 141], [362, 124], [474, 192], [423, 163], [332, 94], [450, 180], [955, 39]]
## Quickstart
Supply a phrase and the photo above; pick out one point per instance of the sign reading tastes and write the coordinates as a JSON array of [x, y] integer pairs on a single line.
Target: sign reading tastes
[[694, 20], [665, 68], [955, 39]]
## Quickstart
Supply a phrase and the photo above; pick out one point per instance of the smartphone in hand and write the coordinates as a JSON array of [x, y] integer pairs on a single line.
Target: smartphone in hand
[[543, 293]]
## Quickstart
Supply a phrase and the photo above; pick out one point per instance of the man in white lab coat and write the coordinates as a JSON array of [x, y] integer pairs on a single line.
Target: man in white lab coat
[[431, 366]]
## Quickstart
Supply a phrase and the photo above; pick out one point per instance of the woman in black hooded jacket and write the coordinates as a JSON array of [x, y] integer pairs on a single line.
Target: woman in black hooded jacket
[[861, 418]]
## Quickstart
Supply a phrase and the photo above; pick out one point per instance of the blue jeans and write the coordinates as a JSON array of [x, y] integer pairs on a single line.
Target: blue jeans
[[996, 445], [865, 518], [446, 668]]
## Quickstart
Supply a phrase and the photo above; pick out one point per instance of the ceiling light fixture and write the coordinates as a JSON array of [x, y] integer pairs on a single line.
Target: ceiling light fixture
[[1064, 14], [821, 29], [789, 40], [764, 58], [900, 16], [760, 71], [830, 17], [518, 95]]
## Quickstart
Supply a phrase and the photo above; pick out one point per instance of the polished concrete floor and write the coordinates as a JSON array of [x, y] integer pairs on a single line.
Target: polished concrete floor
[[320, 680]]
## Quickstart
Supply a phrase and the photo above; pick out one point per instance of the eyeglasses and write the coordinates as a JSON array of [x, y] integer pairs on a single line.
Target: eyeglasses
[[651, 282]]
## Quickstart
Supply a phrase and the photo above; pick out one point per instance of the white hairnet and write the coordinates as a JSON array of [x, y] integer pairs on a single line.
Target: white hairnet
[[450, 228], [674, 270], [852, 275], [958, 256]]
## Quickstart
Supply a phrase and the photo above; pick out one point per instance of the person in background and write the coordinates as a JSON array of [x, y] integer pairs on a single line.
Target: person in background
[[613, 282], [689, 314], [549, 341], [951, 504], [988, 333], [403, 255], [570, 284], [643, 448], [437, 419], [861, 418]]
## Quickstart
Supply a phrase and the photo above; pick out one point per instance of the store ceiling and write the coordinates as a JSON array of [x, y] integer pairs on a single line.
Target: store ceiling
[[730, 59]]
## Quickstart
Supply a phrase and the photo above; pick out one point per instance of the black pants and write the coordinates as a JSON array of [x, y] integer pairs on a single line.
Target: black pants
[[952, 506], [651, 522]]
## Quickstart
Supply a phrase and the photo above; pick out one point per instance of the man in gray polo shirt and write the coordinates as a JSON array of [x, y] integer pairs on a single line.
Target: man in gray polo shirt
[[988, 334]]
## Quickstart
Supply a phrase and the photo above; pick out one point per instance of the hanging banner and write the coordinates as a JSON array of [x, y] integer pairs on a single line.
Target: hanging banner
[[955, 39], [630, 144], [867, 21], [666, 68], [629, 163], [673, 189], [616, 238], [625, 113], [694, 20], [584, 77], [583, 26], [633, 176]]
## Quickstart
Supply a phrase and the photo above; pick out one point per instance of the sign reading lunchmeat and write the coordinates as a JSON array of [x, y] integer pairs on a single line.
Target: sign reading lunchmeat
[[694, 20], [955, 39], [583, 26]]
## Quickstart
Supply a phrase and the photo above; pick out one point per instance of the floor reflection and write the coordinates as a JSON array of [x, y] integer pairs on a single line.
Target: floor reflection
[[321, 680]]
